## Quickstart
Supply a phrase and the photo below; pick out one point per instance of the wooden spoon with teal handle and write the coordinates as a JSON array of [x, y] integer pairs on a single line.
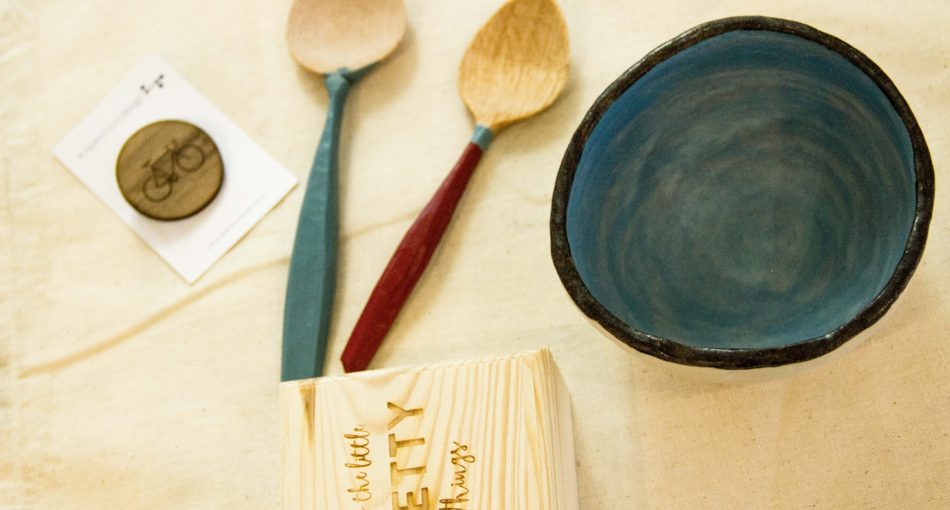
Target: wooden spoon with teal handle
[[516, 66], [339, 39]]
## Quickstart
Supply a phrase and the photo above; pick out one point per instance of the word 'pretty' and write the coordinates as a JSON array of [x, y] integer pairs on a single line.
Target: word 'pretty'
[[397, 473]]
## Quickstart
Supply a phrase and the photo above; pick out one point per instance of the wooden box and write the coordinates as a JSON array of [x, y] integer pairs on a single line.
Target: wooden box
[[487, 434]]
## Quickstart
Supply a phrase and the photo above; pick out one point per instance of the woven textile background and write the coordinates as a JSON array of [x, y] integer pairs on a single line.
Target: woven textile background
[[123, 387]]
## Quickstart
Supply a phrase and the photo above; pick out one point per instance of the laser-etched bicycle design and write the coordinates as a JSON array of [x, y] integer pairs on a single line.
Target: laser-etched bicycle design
[[188, 158]]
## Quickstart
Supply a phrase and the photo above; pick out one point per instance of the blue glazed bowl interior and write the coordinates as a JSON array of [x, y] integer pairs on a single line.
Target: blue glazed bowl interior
[[754, 190]]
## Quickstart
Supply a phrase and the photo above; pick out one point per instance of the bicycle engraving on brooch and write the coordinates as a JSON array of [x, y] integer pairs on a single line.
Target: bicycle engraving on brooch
[[160, 185], [169, 170]]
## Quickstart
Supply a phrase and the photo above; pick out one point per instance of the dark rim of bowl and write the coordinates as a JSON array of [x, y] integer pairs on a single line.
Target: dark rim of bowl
[[734, 359]]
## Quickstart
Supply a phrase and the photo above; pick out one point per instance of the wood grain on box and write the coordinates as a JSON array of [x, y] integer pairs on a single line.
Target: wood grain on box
[[489, 434]]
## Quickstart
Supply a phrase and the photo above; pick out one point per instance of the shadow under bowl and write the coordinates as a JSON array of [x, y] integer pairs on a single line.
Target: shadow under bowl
[[751, 194]]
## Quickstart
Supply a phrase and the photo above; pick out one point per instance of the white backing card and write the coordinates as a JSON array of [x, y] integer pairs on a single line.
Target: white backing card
[[253, 181]]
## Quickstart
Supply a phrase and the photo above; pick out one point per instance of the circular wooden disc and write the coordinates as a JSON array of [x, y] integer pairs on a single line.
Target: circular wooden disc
[[169, 170]]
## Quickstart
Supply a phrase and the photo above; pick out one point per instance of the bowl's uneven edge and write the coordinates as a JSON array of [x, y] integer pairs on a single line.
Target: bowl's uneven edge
[[737, 359]]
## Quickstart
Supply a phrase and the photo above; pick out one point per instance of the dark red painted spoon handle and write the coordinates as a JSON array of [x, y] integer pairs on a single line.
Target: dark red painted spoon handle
[[407, 264]]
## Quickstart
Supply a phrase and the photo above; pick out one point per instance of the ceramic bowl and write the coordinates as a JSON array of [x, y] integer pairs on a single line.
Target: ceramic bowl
[[751, 194]]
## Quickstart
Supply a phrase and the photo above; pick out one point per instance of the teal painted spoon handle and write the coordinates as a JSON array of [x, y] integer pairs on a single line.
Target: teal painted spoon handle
[[312, 277]]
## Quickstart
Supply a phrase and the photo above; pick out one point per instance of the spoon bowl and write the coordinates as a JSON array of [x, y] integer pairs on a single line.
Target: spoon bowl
[[504, 79], [327, 35]]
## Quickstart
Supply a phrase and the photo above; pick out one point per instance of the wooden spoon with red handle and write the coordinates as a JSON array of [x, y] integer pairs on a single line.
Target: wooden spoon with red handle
[[516, 66]]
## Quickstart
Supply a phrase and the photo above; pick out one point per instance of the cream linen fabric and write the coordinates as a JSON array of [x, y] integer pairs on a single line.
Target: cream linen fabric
[[123, 387]]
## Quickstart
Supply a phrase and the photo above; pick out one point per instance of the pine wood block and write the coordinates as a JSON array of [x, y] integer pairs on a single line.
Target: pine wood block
[[487, 434]]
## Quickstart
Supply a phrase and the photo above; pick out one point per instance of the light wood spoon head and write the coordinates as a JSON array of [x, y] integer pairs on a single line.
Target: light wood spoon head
[[517, 64], [327, 35]]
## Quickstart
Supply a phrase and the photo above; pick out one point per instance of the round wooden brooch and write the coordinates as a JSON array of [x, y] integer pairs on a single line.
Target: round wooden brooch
[[169, 170]]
